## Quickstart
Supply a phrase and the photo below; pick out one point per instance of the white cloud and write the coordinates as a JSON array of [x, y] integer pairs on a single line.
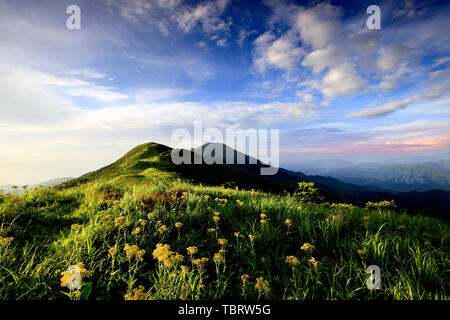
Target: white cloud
[[306, 97], [207, 14], [222, 43], [341, 81], [393, 106], [440, 61], [298, 110], [46, 89], [439, 76], [394, 56], [318, 25], [147, 95], [87, 73], [100, 93], [390, 81], [322, 58], [134, 10], [282, 53], [168, 3]]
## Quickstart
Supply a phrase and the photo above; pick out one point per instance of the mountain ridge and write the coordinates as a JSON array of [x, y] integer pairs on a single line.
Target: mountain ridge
[[152, 162]]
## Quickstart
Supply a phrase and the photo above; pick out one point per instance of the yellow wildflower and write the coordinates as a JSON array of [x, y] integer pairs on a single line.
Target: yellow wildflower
[[4, 241], [216, 218], [162, 229], [106, 218], [263, 216], [252, 237], [307, 247], [77, 294], [201, 262], [178, 225], [292, 261], [263, 221], [216, 213], [362, 252], [68, 276], [119, 221], [133, 251], [113, 251], [262, 285], [137, 294], [211, 230], [222, 242], [239, 202], [236, 234], [218, 256], [192, 250], [314, 262], [164, 255], [136, 231], [245, 278], [142, 222], [288, 222]]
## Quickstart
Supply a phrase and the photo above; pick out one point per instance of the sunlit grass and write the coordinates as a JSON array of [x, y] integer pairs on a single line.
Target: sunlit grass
[[114, 228]]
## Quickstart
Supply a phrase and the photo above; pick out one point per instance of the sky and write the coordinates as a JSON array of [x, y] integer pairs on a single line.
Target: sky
[[73, 101]]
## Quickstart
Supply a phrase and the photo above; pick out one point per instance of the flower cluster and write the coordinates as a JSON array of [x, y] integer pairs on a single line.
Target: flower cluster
[[5, 241], [134, 251], [314, 262], [292, 261], [201, 262], [136, 231], [137, 294], [113, 251], [218, 256], [68, 277], [307, 247], [191, 250], [262, 285], [245, 278], [163, 254], [178, 225], [362, 252], [162, 229]]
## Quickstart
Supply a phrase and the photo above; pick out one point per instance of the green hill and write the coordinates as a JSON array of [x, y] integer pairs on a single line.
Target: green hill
[[151, 163]]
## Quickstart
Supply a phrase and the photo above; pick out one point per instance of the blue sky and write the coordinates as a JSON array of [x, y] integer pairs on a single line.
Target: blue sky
[[75, 100]]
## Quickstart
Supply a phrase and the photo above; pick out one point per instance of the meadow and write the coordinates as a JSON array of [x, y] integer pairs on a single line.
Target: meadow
[[176, 239]]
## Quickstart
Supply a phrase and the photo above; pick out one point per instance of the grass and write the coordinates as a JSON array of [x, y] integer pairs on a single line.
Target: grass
[[93, 222]]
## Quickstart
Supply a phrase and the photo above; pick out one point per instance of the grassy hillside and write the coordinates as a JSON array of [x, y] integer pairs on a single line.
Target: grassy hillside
[[142, 231]]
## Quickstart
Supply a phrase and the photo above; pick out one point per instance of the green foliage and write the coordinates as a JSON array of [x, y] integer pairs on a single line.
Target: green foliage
[[114, 231], [308, 192], [382, 205]]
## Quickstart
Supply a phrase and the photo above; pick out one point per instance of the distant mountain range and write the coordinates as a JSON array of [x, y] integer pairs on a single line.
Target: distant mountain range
[[20, 190], [151, 162], [424, 176]]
